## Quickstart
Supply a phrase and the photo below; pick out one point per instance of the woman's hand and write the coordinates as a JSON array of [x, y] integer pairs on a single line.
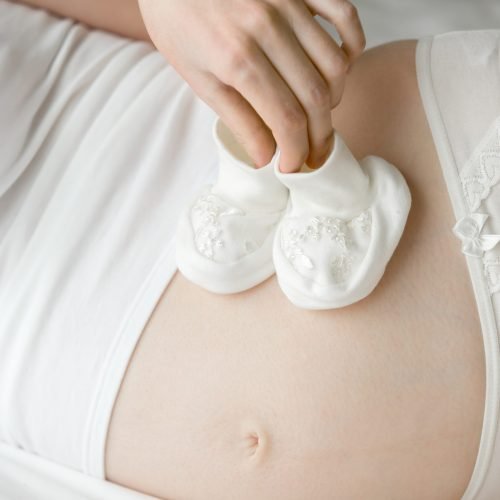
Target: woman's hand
[[266, 67]]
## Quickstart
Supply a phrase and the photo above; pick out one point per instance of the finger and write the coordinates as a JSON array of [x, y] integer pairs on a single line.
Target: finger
[[329, 59], [344, 16], [284, 51], [245, 124], [249, 71]]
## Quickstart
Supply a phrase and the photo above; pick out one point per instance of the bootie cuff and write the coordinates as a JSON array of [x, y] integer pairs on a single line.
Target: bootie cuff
[[239, 181], [339, 184]]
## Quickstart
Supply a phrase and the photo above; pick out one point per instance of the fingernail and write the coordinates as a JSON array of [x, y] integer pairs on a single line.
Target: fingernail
[[287, 170]]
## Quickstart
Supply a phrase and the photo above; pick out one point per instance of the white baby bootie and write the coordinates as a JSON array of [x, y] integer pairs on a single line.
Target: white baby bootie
[[225, 235], [341, 227]]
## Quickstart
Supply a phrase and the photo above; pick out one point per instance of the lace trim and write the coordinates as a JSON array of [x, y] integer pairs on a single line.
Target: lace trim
[[482, 171], [492, 273], [479, 175]]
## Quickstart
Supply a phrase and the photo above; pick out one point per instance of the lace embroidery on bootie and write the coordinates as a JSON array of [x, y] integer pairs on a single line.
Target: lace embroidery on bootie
[[341, 267], [206, 213], [338, 231]]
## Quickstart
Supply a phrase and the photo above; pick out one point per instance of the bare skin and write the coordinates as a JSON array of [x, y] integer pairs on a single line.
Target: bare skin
[[117, 16], [245, 396]]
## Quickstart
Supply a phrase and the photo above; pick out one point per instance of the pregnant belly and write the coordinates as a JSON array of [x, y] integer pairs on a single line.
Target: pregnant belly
[[246, 396]]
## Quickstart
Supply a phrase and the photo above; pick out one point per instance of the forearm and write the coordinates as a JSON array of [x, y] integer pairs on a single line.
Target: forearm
[[122, 17]]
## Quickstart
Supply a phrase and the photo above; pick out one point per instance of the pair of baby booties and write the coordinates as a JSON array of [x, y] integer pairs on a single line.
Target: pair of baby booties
[[327, 233]]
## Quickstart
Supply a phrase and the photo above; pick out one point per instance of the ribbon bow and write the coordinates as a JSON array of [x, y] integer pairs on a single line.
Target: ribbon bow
[[468, 229]]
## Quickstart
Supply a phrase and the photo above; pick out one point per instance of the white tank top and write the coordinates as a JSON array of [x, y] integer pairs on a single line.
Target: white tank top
[[101, 144]]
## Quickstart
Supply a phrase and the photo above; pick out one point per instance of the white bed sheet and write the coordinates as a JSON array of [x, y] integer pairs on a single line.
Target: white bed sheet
[[386, 20], [24, 476]]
